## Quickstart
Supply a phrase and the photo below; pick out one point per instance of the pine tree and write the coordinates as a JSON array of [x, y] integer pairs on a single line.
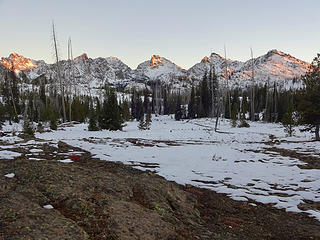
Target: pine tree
[[133, 104], [146, 101], [309, 104], [52, 114], [2, 114], [234, 113], [227, 114], [288, 120], [139, 108], [28, 128], [243, 123], [205, 96], [53, 122], [178, 112], [148, 120], [191, 105], [125, 110], [93, 124], [111, 115], [214, 85], [142, 124], [165, 102], [153, 101]]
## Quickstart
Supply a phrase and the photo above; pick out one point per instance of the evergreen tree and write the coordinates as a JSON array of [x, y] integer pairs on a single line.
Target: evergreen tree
[[243, 123], [142, 124], [52, 115], [53, 122], [2, 114], [146, 101], [288, 120], [309, 104], [235, 105], [111, 115], [227, 114], [214, 87], [153, 101], [244, 105], [139, 108], [192, 105], [234, 113], [148, 120], [79, 109], [93, 123], [28, 128], [133, 104], [274, 114], [165, 102], [178, 112], [205, 96], [125, 110], [43, 92]]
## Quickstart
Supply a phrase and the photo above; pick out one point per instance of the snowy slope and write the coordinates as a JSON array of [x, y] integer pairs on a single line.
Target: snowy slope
[[160, 68], [273, 67], [219, 63]]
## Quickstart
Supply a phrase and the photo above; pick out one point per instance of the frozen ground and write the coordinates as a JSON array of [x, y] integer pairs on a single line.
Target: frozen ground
[[234, 161]]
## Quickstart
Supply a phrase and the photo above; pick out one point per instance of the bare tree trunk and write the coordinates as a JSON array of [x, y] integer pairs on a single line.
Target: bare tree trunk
[[217, 119], [228, 91], [59, 73], [212, 92], [252, 89], [267, 99], [275, 105], [71, 76], [218, 112], [317, 132]]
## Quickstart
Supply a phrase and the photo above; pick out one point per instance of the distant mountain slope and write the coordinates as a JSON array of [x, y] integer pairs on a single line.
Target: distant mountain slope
[[275, 66]]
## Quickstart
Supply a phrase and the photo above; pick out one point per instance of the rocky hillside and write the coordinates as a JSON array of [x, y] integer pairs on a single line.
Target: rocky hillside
[[273, 67]]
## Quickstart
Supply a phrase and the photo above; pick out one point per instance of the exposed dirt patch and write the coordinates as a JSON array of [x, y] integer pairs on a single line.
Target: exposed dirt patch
[[312, 162], [239, 220], [94, 199]]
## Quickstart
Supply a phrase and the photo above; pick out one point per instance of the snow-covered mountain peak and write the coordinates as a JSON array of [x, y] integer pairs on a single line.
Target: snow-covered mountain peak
[[82, 57], [273, 67], [17, 63], [216, 56], [205, 59], [113, 58], [155, 61], [160, 68]]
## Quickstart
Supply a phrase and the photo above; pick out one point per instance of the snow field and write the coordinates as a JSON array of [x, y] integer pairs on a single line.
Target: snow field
[[233, 161]]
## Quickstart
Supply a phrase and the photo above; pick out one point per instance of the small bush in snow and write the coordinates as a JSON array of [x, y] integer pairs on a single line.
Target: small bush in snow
[[243, 124]]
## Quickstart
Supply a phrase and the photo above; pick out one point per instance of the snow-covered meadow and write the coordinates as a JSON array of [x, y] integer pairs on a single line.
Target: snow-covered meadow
[[237, 161]]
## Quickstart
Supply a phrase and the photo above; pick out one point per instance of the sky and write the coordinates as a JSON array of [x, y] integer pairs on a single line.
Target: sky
[[183, 31]]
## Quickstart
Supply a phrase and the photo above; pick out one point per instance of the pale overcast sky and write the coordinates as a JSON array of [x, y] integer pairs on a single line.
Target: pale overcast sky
[[183, 31]]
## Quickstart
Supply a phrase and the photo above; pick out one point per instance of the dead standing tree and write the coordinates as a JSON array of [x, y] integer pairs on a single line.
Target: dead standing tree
[[227, 83], [70, 77], [58, 71], [227, 93], [252, 88]]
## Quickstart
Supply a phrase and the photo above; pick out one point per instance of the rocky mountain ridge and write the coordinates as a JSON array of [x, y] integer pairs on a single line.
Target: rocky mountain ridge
[[273, 67]]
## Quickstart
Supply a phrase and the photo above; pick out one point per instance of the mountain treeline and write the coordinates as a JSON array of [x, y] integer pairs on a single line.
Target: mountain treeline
[[41, 102]]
